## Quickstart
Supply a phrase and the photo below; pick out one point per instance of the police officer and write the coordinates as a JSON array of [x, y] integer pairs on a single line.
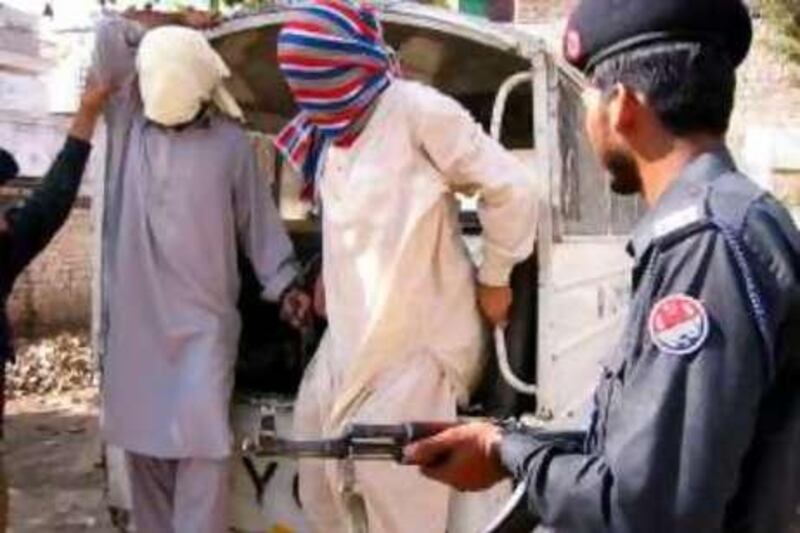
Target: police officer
[[697, 419]]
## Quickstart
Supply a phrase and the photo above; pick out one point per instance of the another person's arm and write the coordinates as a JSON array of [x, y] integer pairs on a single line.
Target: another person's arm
[[31, 225], [472, 162], [681, 428]]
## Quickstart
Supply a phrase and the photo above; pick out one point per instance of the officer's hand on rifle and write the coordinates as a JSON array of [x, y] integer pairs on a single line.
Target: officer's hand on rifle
[[466, 457], [295, 308]]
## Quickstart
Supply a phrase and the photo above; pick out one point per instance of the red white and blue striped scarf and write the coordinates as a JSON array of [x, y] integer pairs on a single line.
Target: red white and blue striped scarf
[[336, 63]]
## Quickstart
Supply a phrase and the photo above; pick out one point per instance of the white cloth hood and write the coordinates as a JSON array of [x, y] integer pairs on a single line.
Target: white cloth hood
[[179, 71]]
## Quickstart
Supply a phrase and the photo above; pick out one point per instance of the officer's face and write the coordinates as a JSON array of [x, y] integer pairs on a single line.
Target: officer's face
[[602, 117]]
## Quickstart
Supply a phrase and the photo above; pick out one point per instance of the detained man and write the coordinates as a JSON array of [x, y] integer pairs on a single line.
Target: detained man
[[183, 193], [385, 157]]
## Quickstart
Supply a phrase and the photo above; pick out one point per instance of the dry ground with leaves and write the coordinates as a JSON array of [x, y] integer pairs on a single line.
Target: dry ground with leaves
[[53, 450]]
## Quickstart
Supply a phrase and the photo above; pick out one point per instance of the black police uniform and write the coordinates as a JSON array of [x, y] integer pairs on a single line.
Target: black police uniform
[[696, 425], [32, 224], [703, 437]]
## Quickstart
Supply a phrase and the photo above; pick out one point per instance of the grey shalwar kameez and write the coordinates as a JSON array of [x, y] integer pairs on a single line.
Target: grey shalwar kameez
[[179, 203]]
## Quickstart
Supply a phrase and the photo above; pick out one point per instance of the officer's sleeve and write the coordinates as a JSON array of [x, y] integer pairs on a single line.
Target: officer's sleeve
[[473, 163], [33, 223], [682, 423]]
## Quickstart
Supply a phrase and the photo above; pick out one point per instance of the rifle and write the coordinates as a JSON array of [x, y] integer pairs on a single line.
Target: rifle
[[370, 442], [380, 442]]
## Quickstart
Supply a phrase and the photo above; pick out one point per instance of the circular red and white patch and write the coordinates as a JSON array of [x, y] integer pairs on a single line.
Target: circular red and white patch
[[678, 324]]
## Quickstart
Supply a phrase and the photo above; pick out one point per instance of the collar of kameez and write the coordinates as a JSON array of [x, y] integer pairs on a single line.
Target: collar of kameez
[[333, 57], [674, 208]]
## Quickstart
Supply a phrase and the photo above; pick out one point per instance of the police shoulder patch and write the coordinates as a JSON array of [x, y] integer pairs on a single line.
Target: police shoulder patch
[[678, 324]]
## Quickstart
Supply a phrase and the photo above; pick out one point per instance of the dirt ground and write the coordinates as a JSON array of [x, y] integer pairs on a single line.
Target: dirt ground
[[53, 461]]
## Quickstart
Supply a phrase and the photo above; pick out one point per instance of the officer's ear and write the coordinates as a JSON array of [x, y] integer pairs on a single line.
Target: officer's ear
[[625, 107]]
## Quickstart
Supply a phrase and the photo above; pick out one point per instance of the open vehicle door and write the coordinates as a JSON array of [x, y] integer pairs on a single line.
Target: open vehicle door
[[584, 273]]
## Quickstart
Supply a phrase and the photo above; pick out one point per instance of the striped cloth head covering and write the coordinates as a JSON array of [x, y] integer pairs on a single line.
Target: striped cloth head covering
[[336, 63]]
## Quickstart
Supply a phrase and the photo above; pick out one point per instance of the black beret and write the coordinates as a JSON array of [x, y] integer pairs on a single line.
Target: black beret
[[600, 29], [8, 166]]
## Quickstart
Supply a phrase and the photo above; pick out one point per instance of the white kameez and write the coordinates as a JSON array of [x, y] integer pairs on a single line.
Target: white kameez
[[405, 337]]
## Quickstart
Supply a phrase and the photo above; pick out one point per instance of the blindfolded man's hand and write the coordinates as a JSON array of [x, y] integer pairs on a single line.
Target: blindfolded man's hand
[[495, 303], [296, 308]]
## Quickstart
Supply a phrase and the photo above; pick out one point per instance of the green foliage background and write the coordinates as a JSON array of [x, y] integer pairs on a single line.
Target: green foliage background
[[784, 17]]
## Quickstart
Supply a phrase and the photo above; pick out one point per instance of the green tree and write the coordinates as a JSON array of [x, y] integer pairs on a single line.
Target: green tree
[[784, 16]]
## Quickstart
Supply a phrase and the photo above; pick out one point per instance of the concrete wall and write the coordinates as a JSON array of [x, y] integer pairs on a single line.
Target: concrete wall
[[54, 293], [768, 93]]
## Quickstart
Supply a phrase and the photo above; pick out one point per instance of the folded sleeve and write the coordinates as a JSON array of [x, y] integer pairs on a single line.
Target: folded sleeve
[[473, 163]]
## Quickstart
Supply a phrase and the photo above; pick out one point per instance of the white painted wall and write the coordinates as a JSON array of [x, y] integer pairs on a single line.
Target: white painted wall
[[770, 150], [36, 103]]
